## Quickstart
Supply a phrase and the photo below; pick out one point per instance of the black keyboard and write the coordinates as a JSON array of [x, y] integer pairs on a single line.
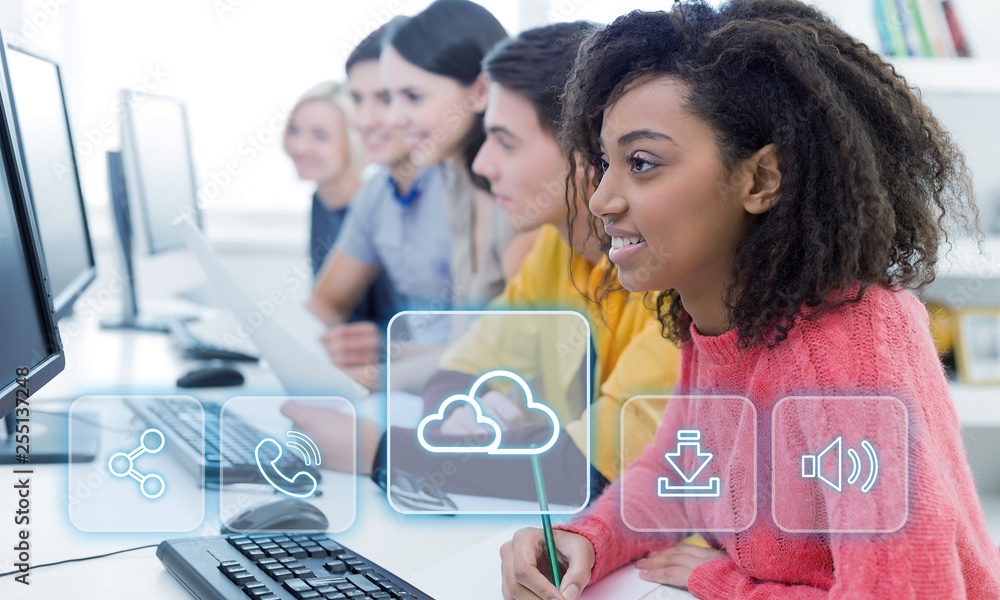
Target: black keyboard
[[179, 421], [273, 566], [198, 349]]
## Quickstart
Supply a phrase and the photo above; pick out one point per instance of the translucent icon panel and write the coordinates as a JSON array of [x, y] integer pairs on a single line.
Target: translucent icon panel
[[286, 476], [510, 387], [134, 484], [840, 464], [700, 471]]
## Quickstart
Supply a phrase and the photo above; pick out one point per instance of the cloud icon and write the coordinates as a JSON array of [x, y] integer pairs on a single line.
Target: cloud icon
[[494, 447]]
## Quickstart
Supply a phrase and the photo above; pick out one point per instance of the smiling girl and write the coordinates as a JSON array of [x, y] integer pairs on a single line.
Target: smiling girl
[[786, 186], [431, 63]]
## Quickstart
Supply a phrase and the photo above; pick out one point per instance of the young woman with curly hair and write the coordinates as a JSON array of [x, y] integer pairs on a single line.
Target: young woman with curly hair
[[787, 186]]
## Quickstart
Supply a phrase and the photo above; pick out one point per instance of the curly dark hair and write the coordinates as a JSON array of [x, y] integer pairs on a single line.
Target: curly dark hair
[[868, 173]]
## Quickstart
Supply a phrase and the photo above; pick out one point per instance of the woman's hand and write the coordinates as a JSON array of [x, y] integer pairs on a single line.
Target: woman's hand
[[462, 420], [674, 565], [526, 571], [333, 432], [353, 344]]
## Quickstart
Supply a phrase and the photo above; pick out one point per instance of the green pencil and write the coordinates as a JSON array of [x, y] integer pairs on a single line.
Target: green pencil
[[543, 504]]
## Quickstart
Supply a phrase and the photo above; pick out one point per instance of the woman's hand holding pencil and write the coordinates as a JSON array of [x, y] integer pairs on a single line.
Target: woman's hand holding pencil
[[526, 571]]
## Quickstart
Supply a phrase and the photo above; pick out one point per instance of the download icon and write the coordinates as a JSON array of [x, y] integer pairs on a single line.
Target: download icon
[[688, 452]]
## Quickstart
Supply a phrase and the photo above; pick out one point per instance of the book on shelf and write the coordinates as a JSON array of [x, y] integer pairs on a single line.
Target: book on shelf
[[926, 28]]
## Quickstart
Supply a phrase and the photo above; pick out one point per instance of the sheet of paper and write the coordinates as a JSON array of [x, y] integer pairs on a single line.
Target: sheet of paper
[[625, 583], [476, 573]]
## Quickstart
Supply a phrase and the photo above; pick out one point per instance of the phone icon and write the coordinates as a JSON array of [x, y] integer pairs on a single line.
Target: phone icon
[[302, 480]]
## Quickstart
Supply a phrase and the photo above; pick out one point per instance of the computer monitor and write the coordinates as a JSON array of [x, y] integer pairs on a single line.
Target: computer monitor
[[150, 183], [53, 179], [156, 152], [31, 353]]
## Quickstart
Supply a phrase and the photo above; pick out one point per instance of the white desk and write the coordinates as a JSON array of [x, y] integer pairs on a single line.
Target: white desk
[[106, 362]]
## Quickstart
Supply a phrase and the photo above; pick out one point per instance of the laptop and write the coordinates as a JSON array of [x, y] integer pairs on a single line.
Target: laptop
[[288, 338]]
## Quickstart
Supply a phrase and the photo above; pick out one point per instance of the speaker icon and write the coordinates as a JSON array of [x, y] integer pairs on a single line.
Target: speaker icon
[[813, 465]]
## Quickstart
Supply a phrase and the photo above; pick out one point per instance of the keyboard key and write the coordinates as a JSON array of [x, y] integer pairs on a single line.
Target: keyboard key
[[303, 573], [378, 595], [243, 578], [255, 589], [335, 567], [363, 583], [281, 575], [296, 585], [334, 596], [322, 582], [310, 595]]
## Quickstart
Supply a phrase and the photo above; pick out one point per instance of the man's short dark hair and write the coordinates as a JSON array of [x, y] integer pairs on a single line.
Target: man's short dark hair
[[536, 65]]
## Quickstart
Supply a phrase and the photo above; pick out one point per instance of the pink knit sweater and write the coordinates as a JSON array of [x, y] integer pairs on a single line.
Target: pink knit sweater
[[878, 347]]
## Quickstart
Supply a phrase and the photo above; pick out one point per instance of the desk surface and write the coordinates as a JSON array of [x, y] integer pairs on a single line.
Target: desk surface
[[106, 362]]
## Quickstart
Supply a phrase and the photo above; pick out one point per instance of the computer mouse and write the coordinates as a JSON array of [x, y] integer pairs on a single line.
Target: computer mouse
[[210, 377], [286, 514]]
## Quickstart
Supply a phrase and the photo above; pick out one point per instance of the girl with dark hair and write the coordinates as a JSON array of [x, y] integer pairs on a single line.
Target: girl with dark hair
[[431, 64], [788, 187], [393, 234]]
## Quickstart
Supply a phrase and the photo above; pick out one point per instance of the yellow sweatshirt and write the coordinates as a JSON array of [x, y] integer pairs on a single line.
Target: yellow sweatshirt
[[632, 358]]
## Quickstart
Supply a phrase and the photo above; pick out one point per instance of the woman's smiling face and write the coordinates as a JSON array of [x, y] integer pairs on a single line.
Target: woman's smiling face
[[666, 197], [434, 112]]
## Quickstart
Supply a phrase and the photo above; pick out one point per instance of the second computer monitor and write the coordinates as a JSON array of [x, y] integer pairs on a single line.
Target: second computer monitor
[[156, 150], [51, 170]]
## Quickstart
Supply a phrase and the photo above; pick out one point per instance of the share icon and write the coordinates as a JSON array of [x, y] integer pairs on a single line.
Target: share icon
[[122, 464]]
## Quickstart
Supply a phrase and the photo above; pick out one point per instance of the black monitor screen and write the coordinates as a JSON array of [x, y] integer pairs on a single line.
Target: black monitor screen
[[24, 343], [52, 175], [157, 152], [31, 349]]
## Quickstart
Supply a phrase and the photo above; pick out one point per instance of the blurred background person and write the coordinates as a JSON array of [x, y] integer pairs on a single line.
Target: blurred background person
[[431, 64], [325, 149], [397, 230]]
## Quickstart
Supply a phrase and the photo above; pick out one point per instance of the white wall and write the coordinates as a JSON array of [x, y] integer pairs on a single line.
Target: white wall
[[240, 64]]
